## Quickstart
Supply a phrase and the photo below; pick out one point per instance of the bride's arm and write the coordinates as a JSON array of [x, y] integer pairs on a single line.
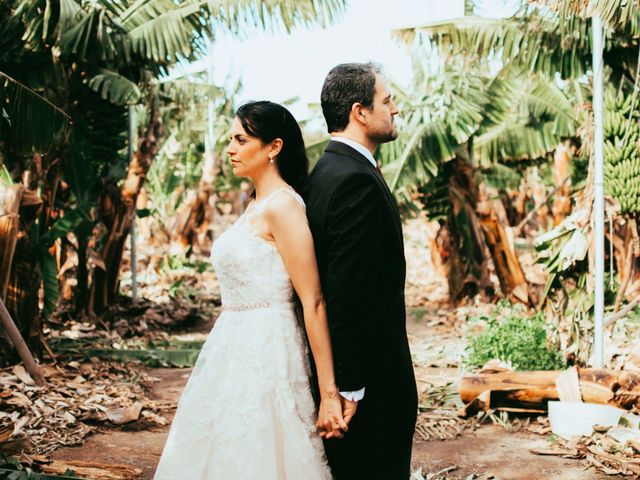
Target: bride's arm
[[288, 225]]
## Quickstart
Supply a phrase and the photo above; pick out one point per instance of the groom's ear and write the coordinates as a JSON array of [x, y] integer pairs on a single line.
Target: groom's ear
[[358, 113]]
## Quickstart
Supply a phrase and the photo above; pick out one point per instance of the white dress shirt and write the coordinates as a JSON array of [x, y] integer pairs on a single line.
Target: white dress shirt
[[357, 146], [358, 394]]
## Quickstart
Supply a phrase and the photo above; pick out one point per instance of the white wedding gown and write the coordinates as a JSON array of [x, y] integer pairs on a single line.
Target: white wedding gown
[[247, 411]]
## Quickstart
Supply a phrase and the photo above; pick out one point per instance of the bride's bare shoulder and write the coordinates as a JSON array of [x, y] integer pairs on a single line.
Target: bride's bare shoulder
[[286, 204]]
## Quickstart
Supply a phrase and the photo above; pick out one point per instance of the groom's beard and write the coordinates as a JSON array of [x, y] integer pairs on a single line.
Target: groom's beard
[[384, 136]]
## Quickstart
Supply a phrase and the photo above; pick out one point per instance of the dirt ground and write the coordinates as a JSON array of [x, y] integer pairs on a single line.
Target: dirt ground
[[489, 451]]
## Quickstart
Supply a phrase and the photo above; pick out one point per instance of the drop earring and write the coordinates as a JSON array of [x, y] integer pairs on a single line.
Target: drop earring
[[270, 159]]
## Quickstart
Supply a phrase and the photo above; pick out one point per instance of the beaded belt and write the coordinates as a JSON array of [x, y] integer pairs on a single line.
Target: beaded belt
[[241, 307]]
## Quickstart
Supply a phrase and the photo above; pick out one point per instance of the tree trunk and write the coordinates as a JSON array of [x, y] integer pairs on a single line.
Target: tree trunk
[[22, 295], [505, 260], [82, 273], [561, 207], [9, 225], [461, 241], [104, 288], [194, 219]]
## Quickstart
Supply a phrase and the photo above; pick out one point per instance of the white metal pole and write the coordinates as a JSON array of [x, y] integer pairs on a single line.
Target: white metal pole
[[132, 231], [598, 197]]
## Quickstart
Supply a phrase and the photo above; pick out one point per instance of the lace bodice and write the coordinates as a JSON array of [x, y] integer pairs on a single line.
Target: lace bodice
[[250, 269]]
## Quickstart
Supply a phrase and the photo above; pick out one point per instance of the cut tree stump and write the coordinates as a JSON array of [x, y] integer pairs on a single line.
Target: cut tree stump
[[530, 391]]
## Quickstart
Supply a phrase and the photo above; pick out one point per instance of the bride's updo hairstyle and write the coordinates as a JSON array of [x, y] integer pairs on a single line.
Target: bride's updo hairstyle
[[267, 121]]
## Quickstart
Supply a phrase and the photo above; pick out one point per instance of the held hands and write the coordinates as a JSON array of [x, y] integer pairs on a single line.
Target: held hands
[[334, 416]]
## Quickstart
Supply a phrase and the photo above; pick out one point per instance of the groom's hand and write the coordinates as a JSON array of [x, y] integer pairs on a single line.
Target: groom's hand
[[348, 409]]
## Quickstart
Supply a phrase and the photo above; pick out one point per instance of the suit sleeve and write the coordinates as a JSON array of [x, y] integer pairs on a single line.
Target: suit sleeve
[[352, 227]]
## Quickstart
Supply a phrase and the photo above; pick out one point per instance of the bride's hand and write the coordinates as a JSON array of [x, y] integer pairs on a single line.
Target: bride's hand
[[330, 421]]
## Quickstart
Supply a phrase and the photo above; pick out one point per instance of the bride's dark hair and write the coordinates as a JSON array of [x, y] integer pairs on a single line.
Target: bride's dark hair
[[267, 121]]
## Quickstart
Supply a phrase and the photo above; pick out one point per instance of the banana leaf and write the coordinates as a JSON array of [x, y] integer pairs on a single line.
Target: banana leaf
[[174, 353], [29, 122]]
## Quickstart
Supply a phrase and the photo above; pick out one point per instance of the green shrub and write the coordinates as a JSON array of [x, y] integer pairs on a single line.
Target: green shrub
[[512, 336]]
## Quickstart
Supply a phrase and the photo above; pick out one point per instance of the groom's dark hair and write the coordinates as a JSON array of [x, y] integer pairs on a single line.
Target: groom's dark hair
[[346, 84]]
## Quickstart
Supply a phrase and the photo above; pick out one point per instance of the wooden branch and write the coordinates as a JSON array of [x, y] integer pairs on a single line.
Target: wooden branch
[[22, 348], [623, 312]]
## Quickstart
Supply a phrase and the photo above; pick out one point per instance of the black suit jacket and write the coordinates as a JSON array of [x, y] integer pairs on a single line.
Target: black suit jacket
[[359, 247]]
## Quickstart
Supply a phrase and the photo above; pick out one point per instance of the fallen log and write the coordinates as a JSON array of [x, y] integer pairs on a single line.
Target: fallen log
[[531, 391]]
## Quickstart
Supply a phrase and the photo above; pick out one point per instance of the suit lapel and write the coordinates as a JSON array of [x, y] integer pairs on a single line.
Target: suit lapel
[[390, 201]]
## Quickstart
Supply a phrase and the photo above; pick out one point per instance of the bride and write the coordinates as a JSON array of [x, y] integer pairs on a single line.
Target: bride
[[247, 410]]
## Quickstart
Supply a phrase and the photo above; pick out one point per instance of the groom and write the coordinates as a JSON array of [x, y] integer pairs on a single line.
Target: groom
[[358, 239]]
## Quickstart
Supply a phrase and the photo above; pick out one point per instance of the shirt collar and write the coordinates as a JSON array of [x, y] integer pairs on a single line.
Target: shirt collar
[[358, 147]]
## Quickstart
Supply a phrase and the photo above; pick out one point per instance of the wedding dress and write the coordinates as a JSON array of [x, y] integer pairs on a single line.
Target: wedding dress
[[246, 412]]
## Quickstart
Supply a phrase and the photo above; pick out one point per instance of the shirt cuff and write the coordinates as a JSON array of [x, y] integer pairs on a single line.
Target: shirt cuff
[[354, 396]]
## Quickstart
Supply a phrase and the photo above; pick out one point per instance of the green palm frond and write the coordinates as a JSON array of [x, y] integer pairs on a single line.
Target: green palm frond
[[29, 122], [70, 12], [164, 31], [437, 115], [115, 88], [502, 177], [464, 35], [509, 142], [616, 13], [415, 155], [545, 99], [526, 118], [533, 42], [275, 13]]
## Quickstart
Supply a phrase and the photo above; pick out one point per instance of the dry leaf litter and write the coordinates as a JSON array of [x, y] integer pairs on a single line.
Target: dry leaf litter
[[77, 399]]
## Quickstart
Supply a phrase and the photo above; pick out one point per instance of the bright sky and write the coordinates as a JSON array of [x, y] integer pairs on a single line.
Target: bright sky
[[281, 66]]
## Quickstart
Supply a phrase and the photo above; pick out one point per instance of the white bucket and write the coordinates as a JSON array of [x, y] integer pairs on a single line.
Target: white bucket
[[568, 419]]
